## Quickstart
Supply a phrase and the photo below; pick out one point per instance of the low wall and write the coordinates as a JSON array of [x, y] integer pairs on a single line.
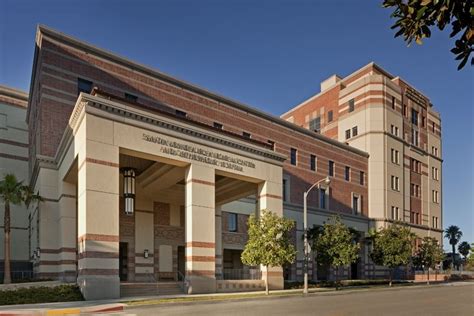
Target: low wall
[[14, 286], [240, 285], [433, 277]]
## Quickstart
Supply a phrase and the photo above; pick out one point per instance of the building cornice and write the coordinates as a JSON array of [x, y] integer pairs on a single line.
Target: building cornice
[[63, 38], [15, 94]]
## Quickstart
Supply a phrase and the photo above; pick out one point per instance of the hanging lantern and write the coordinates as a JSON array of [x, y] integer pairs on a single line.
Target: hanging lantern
[[129, 189]]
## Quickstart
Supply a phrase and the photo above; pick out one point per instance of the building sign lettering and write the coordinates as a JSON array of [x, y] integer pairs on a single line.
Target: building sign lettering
[[199, 154]]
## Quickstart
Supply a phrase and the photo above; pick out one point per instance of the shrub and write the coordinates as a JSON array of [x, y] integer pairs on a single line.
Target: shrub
[[42, 294]]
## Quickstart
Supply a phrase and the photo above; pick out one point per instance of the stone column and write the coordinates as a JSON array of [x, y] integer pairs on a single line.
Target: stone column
[[270, 198], [200, 229], [98, 218], [219, 246], [67, 226]]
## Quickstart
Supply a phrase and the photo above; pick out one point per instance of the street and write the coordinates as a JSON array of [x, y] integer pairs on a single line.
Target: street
[[453, 299]]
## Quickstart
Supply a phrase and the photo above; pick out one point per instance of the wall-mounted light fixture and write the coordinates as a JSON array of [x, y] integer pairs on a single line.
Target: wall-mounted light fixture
[[145, 253], [38, 253], [129, 189]]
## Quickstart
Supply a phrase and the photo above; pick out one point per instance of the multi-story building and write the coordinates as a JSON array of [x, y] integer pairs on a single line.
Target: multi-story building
[[148, 178], [14, 160], [396, 124]]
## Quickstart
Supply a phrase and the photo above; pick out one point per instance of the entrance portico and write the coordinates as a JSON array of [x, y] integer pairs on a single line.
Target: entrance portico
[[192, 162]]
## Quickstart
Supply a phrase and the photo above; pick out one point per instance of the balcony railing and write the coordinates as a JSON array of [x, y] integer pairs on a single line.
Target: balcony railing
[[242, 274]]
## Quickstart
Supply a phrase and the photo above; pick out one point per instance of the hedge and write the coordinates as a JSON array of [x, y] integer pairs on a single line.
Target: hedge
[[41, 294]]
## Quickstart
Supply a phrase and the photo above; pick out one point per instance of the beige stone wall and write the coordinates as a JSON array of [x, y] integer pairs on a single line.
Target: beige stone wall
[[14, 159]]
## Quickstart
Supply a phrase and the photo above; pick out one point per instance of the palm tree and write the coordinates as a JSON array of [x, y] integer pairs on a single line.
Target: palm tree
[[453, 234], [464, 249], [13, 192]]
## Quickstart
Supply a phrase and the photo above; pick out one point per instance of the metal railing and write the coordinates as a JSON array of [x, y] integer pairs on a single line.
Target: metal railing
[[19, 275], [242, 274], [183, 282]]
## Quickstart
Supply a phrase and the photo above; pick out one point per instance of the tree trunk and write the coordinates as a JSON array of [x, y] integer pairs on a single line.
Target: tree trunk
[[428, 281], [266, 282], [391, 278], [337, 277], [6, 272], [453, 255]]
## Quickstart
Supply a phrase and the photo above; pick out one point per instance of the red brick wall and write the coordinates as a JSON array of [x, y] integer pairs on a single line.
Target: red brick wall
[[60, 66]]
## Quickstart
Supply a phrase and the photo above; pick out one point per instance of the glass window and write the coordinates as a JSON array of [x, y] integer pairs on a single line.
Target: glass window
[[393, 103], [181, 113], [347, 174], [361, 179], [232, 222], [322, 198], [218, 125], [293, 153], [331, 168], [330, 116], [83, 85], [285, 189], [246, 135], [354, 131], [131, 97], [351, 105], [315, 125], [271, 143], [414, 117], [312, 162], [348, 134], [355, 204]]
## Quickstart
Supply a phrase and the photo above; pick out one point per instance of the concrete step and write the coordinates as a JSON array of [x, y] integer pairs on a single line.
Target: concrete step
[[150, 289]]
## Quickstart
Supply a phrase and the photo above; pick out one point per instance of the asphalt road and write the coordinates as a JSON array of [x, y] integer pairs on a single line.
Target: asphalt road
[[446, 300]]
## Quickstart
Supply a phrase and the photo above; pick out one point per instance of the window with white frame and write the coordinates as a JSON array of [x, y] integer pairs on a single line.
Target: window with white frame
[[395, 155], [232, 222], [395, 213], [395, 182], [356, 204], [286, 188], [435, 173], [435, 196]]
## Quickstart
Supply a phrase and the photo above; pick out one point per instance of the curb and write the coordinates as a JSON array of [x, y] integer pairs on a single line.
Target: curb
[[68, 311]]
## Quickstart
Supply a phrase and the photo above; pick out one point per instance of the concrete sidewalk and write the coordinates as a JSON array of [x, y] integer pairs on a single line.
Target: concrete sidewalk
[[122, 303]]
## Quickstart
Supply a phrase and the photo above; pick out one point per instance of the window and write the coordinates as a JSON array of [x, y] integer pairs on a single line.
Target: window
[[414, 117], [415, 190], [312, 162], [434, 173], [355, 204], [330, 116], [293, 153], [348, 134], [351, 105], [435, 222], [218, 125], [271, 143], [405, 110], [435, 196], [361, 178], [395, 155], [286, 189], [331, 168], [423, 121], [232, 222], [394, 130], [83, 85], [347, 173], [181, 113], [395, 215], [415, 165], [414, 136], [393, 103], [131, 97], [433, 127], [246, 135], [322, 198], [395, 183], [354, 131], [434, 151], [315, 125]]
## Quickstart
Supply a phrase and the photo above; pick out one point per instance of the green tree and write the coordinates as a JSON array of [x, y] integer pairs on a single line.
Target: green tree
[[464, 248], [392, 247], [12, 192], [429, 254], [335, 244], [416, 17], [268, 243], [453, 234]]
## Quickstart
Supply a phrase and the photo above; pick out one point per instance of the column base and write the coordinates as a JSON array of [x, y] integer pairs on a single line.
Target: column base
[[99, 287], [201, 284]]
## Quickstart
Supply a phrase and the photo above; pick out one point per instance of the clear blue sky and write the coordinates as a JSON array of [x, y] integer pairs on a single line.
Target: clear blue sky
[[268, 54]]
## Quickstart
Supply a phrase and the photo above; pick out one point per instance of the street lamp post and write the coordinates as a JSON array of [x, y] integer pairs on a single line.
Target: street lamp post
[[327, 181]]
